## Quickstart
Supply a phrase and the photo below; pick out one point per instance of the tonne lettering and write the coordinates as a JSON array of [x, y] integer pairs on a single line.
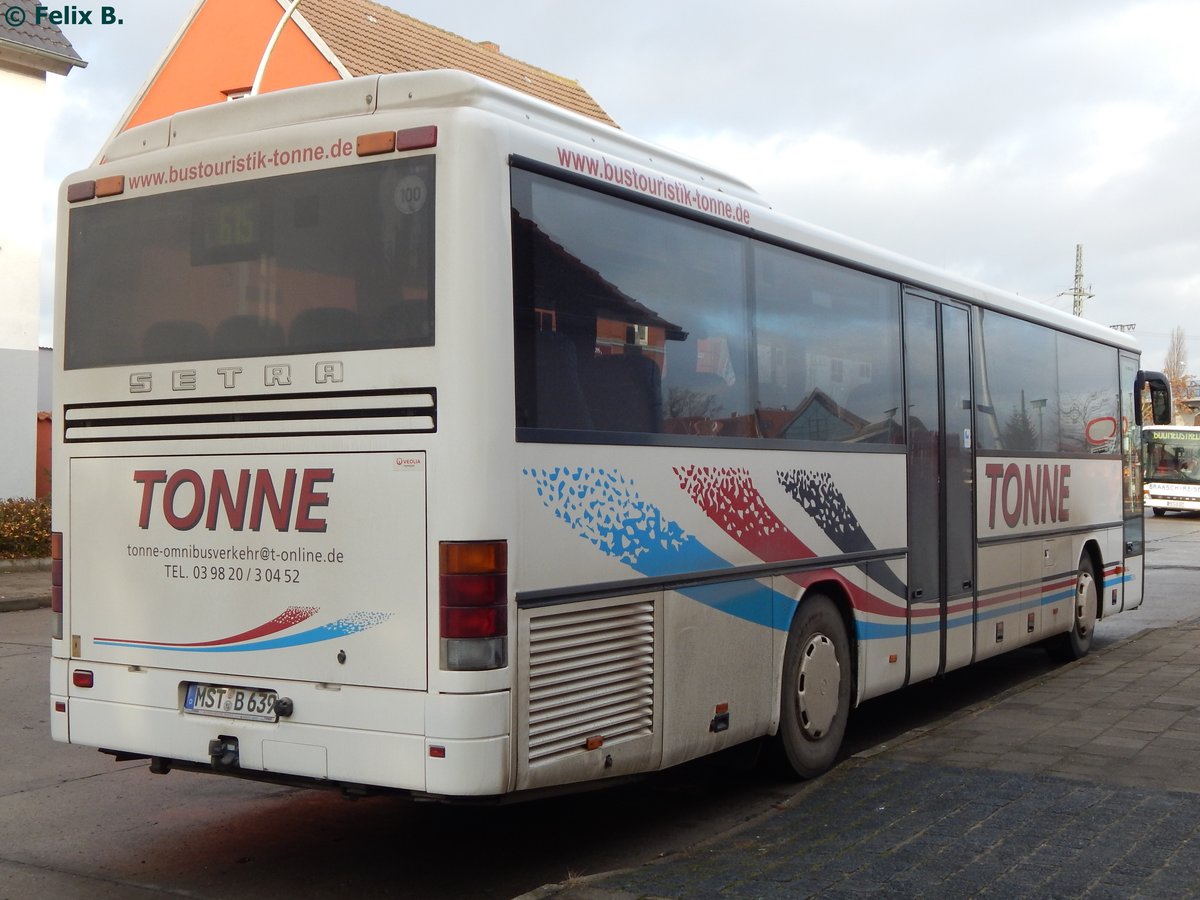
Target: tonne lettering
[[1032, 493], [185, 498]]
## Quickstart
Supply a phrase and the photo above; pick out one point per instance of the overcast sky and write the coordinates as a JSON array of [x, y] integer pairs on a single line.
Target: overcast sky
[[985, 138]]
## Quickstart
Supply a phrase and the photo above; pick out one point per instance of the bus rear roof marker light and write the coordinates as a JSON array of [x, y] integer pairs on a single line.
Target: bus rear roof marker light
[[417, 138], [375, 143], [81, 190], [110, 186]]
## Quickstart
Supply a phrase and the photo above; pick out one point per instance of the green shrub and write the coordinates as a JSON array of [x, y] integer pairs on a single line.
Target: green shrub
[[24, 529]]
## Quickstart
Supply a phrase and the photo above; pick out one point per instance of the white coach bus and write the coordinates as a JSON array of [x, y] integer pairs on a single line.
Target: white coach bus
[[1172, 468], [414, 434]]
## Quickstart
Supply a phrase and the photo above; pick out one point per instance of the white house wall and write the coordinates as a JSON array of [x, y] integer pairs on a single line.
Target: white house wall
[[23, 150], [18, 413]]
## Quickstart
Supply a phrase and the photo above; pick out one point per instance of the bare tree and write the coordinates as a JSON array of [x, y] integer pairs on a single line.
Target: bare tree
[[1175, 368]]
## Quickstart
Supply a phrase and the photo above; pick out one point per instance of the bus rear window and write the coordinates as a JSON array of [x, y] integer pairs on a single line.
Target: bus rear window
[[317, 262]]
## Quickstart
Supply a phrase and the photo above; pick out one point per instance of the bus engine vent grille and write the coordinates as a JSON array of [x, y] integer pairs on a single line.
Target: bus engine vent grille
[[591, 675], [360, 412]]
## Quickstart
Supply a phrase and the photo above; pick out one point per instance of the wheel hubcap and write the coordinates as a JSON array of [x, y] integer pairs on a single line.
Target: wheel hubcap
[[1085, 604], [818, 686]]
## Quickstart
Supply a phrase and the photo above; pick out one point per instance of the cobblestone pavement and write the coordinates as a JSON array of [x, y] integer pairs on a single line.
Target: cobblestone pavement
[[1083, 784]]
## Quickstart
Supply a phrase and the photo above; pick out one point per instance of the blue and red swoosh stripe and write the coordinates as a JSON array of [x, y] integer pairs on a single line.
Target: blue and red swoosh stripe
[[267, 636]]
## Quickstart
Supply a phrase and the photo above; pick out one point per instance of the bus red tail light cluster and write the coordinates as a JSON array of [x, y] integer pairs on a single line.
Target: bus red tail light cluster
[[473, 604], [56, 582]]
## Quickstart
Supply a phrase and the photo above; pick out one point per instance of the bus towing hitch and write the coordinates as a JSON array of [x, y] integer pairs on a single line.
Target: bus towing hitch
[[224, 753]]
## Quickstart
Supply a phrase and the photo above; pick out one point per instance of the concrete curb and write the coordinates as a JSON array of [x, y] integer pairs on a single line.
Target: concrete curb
[[16, 604], [24, 565], [29, 596]]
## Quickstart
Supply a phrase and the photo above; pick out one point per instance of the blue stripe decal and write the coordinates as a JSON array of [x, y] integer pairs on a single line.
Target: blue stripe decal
[[878, 631], [604, 508]]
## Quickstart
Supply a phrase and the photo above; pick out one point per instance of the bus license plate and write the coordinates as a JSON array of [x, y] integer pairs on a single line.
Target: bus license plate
[[231, 702]]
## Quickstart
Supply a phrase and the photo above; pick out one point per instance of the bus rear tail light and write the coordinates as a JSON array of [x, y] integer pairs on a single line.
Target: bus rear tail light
[[473, 604], [56, 582]]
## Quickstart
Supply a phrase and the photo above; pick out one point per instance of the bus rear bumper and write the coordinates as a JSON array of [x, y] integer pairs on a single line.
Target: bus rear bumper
[[338, 735], [318, 752]]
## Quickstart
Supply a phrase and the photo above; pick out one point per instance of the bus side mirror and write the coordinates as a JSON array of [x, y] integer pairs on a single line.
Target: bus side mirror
[[1160, 397]]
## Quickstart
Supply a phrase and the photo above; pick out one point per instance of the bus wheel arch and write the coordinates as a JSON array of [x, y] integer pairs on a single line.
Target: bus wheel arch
[[817, 686]]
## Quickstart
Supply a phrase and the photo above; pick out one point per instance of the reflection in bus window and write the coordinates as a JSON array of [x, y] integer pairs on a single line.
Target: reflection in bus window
[[306, 263], [1039, 390], [629, 320], [1088, 406], [828, 343], [633, 320]]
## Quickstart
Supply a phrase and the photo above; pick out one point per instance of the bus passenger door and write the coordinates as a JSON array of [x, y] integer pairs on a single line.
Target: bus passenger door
[[941, 521]]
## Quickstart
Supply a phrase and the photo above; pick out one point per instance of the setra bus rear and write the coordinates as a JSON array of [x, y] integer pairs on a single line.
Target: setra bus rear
[[251, 574]]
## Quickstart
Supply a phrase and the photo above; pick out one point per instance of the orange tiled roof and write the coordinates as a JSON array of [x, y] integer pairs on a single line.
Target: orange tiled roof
[[368, 38]]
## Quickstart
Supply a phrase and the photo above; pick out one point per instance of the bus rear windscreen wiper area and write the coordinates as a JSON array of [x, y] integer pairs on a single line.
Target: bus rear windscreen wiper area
[[315, 262]]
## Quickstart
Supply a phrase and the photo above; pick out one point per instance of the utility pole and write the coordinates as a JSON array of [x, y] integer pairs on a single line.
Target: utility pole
[[1079, 293]]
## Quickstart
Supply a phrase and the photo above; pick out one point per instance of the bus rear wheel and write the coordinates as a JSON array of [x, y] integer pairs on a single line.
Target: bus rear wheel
[[1076, 643], [817, 679]]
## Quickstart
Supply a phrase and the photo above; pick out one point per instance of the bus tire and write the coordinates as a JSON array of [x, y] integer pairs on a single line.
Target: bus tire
[[815, 695], [1158, 511], [1076, 643]]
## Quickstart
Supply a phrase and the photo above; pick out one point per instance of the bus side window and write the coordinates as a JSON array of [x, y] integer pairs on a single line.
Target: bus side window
[[624, 392], [560, 401]]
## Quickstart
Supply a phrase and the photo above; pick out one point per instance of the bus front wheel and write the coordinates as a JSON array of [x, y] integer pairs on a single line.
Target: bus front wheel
[[817, 679], [1076, 643]]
